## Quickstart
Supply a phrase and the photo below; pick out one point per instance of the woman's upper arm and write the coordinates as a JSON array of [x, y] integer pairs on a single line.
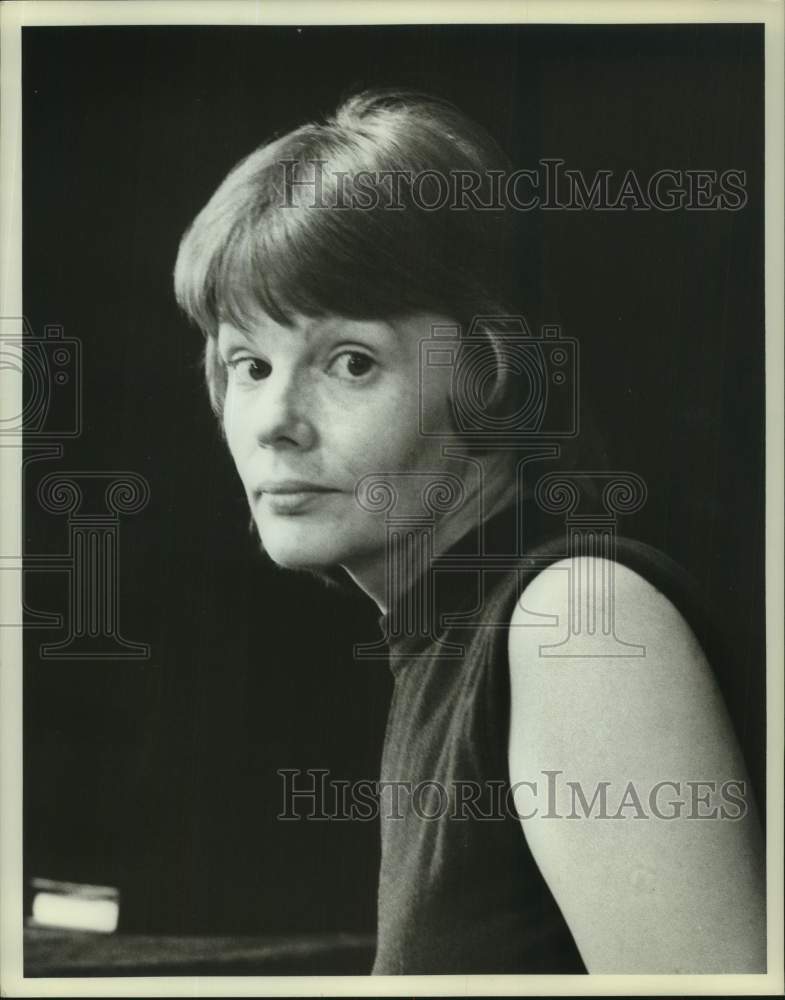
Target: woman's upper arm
[[637, 806]]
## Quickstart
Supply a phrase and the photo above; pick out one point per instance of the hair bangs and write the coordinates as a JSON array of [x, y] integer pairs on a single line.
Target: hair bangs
[[341, 218], [227, 273], [260, 269], [267, 247]]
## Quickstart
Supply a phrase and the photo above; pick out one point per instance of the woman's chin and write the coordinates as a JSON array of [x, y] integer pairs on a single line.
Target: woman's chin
[[298, 553], [323, 544], [297, 558]]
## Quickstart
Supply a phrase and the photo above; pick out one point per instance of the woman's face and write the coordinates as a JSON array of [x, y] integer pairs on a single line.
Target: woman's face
[[313, 408]]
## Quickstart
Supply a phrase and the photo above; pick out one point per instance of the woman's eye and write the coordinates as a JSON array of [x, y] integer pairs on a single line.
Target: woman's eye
[[247, 369], [353, 364]]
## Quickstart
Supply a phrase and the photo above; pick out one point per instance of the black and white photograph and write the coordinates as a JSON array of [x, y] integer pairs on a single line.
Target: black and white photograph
[[392, 499]]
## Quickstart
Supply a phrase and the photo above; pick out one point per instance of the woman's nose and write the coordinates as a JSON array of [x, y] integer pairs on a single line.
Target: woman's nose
[[282, 413]]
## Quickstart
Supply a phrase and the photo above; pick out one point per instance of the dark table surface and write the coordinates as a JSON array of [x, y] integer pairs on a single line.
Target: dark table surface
[[78, 953]]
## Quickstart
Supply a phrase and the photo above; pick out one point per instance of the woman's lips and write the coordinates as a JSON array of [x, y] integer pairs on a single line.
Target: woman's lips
[[293, 501]]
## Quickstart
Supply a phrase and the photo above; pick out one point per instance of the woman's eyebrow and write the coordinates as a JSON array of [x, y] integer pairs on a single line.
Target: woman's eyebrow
[[351, 328], [227, 332]]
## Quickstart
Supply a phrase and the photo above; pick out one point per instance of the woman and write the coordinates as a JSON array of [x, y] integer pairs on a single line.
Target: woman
[[356, 282]]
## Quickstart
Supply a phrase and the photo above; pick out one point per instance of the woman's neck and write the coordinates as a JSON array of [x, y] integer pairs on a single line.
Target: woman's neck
[[375, 579]]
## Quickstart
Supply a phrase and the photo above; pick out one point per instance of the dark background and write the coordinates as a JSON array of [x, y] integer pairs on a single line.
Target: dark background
[[159, 776]]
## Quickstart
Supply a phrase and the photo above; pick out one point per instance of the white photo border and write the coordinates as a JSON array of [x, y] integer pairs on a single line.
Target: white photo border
[[15, 15]]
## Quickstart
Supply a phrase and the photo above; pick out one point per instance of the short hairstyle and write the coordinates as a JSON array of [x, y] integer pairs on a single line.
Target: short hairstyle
[[344, 218]]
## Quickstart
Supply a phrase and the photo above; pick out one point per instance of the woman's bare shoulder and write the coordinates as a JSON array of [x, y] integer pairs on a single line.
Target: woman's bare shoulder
[[593, 644], [618, 705]]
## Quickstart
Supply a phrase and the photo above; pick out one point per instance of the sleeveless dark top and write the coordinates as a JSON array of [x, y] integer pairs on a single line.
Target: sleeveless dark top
[[459, 893]]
